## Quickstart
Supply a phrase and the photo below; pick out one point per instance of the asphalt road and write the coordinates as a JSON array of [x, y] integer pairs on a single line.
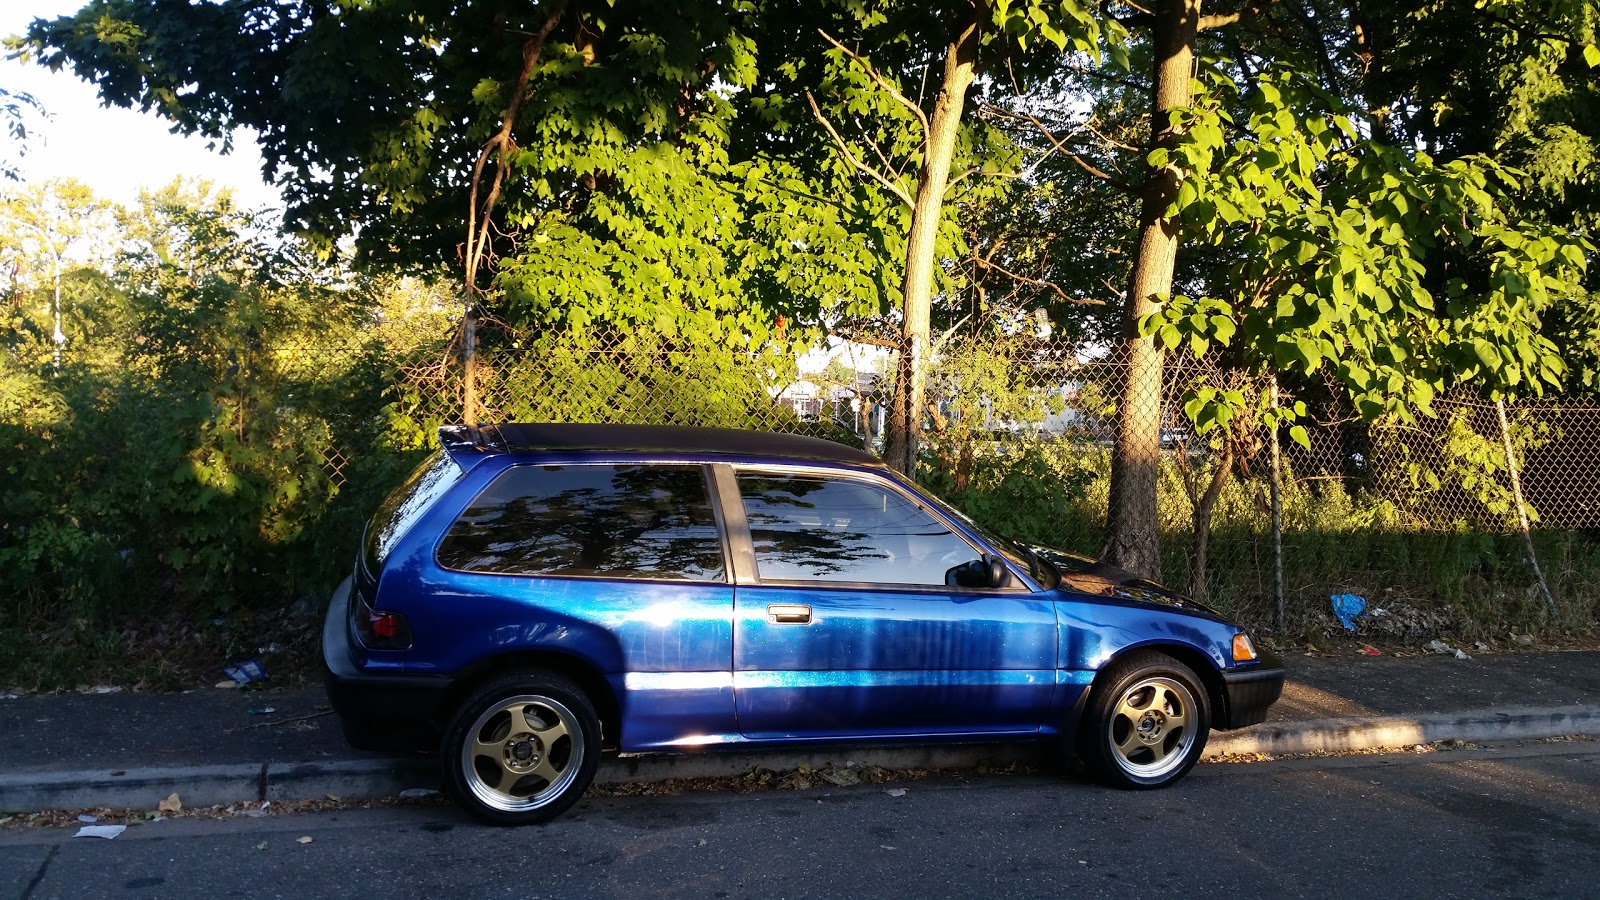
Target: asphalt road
[[1517, 821]]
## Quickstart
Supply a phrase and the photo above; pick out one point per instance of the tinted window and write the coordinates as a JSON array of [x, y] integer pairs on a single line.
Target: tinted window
[[401, 509], [620, 521], [814, 528]]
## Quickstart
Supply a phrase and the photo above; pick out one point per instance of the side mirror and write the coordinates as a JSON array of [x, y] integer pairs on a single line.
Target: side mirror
[[989, 572], [999, 575]]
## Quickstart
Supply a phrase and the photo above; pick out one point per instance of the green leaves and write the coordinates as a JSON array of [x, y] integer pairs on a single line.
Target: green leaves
[[1248, 407], [1063, 23], [1202, 323], [1343, 245], [178, 445]]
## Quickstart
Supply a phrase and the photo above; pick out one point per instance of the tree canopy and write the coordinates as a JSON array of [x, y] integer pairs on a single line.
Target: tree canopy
[[1396, 194]]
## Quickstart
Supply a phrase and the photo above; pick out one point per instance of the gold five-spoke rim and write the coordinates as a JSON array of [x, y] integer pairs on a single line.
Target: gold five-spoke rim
[[1152, 727], [522, 753]]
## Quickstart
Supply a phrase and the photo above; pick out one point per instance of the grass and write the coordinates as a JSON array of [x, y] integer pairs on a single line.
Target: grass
[[1432, 582]]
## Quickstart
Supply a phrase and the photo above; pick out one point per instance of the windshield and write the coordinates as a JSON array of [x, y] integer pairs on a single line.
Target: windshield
[[1037, 567]]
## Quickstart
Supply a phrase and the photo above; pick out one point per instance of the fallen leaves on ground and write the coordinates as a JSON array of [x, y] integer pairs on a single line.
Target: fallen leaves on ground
[[1314, 754], [798, 779], [757, 779], [1566, 739], [252, 809]]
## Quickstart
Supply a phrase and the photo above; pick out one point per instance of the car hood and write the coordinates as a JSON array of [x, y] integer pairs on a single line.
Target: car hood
[[1085, 575]]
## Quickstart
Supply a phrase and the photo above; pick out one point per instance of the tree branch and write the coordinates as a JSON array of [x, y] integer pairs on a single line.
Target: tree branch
[[894, 188], [1060, 146], [879, 80], [976, 169], [869, 340], [1088, 125], [1037, 282], [501, 144], [878, 152], [950, 332], [1109, 141], [1102, 175], [1330, 72], [1141, 17], [1222, 20]]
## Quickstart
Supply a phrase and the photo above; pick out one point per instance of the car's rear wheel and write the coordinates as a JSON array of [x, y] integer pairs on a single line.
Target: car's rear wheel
[[522, 748], [1147, 722]]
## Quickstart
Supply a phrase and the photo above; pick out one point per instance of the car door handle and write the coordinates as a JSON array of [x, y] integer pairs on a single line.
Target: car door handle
[[789, 614]]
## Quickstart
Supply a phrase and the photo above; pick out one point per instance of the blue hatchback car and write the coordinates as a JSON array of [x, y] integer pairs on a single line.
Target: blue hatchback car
[[537, 594]]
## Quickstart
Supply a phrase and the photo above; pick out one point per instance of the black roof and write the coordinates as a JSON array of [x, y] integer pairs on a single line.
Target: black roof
[[525, 437]]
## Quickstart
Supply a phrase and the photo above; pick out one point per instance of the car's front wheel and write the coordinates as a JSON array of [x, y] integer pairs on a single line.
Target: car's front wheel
[[1147, 722], [522, 748]]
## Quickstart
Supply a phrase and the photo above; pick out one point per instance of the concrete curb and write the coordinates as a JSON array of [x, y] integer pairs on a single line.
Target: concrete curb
[[1379, 732], [352, 778], [371, 778], [132, 788]]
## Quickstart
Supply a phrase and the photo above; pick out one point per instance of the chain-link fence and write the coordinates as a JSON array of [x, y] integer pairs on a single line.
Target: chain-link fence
[[1421, 517]]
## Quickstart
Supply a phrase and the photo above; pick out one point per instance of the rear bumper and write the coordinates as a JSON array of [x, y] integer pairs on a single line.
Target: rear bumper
[[379, 710], [1251, 692]]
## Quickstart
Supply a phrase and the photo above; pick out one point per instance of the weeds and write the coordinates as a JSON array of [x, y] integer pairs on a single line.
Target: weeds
[[1466, 584]]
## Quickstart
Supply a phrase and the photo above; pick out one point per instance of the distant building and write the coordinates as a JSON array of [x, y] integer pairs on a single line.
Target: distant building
[[839, 383]]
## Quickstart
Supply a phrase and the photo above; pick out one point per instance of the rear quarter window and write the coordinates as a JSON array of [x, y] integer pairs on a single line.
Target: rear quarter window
[[405, 505], [610, 521]]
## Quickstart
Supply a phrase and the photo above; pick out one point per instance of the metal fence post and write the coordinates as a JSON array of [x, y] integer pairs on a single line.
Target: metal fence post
[[1277, 515], [469, 364], [1522, 509]]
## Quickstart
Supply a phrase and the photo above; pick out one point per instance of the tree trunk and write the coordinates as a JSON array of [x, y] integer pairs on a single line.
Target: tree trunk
[[1522, 507], [480, 218], [1201, 552], [905, 406], [1131, 522]]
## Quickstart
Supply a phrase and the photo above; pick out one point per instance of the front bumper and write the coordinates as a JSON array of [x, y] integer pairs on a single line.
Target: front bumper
[[379, 710], [1249, 693]]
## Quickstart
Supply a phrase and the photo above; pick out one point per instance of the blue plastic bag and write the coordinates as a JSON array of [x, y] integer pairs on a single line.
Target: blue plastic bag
[[245, 672], [1348, 608]]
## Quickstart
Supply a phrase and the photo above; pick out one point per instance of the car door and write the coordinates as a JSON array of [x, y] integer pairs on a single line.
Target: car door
[[848, 621]]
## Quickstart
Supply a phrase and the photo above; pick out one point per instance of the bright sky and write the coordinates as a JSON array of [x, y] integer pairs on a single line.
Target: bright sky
[[114, 151]]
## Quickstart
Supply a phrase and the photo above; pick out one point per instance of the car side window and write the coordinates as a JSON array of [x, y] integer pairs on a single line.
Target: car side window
[[590, 520], [406, 504], [817, 528]]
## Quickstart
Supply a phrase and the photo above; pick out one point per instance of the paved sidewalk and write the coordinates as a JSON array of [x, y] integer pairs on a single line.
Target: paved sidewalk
[[215, 746]]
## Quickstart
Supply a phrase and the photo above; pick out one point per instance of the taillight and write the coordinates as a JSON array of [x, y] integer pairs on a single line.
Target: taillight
[[379, 629], [385, 625]]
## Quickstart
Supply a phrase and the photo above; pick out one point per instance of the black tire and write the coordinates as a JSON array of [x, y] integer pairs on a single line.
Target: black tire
[[1146, 723], [525, 772]]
